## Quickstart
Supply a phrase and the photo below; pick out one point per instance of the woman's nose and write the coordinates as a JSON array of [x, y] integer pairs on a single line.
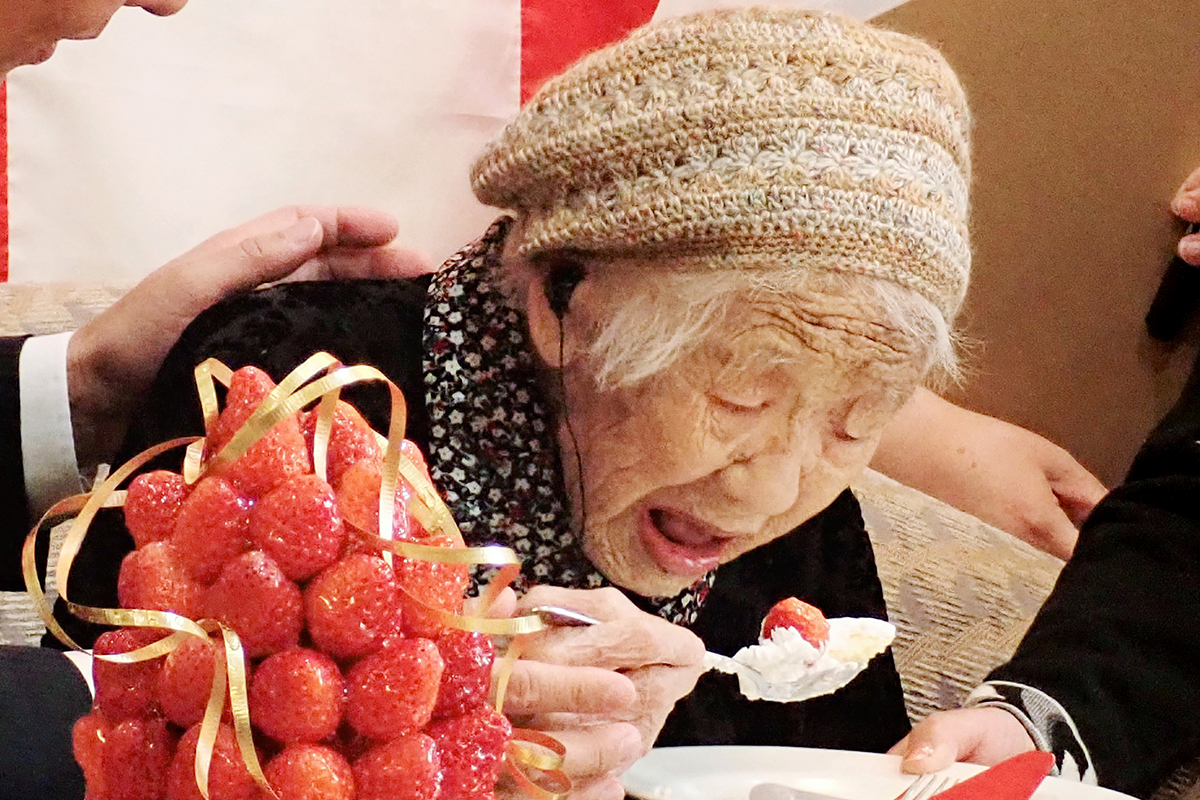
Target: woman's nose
[[769, 481]]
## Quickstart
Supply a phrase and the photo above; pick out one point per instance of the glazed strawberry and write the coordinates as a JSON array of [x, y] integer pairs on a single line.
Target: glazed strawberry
[[471, 749], [124, 690], [299, 526], [393, 691], [255, 598], [185, 681], [297, 696], [228, 778], [152, 577], [350, 440], [438, 585], [152, 504], [213, 527], [311, 772], [405, 768], [353, 607], [137, 757], [467, 679], [797, 614], [280, 454], [247, 389], [88, 737], [358, 499]]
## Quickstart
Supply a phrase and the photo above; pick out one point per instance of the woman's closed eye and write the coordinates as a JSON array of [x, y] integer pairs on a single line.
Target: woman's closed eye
[[738, 406], [842, 434]]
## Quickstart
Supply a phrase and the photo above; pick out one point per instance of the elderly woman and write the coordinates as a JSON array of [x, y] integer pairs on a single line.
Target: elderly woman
[[736, 245]]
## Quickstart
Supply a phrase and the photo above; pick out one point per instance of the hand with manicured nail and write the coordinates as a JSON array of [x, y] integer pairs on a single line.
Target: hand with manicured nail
[[112, 359], [975, 735]]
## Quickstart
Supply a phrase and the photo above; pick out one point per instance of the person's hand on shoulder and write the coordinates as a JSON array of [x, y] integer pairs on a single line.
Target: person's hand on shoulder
[[603, 691], [1186, 206], [112, 359], [984, 736], [1003, 474]]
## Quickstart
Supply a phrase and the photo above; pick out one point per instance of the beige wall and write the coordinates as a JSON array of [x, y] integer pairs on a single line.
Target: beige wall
[[1087, 118]]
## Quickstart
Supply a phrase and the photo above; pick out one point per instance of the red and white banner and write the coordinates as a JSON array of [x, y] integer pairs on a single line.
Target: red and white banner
[[126, 151]]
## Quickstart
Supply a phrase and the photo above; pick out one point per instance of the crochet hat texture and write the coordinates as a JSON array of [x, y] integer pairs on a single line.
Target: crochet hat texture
[[756, 138]]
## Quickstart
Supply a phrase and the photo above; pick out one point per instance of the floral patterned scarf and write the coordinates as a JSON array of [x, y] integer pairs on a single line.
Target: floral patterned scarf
[[493, 451]]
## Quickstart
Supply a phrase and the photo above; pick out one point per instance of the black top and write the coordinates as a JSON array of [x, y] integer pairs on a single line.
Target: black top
[[41, 696], [827, 561], [1117, 643]]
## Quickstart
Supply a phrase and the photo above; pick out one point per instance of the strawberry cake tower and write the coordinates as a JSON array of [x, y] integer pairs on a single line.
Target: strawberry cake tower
[[272, 643]]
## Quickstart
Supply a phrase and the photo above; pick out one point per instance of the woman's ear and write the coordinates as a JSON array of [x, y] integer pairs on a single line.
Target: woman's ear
[[550, 324]]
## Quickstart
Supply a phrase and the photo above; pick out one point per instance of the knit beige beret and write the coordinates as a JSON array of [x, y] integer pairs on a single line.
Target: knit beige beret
[[755, 138]]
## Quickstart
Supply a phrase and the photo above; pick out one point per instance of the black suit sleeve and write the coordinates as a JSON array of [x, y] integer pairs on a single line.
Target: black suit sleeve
[[41, 696], [1118, 641], [14, 507]]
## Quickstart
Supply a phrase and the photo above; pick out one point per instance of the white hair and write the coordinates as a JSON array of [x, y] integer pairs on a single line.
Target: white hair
[[653, 318], [656, 322]]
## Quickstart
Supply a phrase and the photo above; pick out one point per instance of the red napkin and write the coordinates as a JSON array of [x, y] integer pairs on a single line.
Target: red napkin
[[1014, 779]]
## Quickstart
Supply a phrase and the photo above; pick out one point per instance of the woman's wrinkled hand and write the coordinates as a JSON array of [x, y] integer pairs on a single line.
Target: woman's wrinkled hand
[[984, 736], [1003, 474], [604, 691], [1186, 206]]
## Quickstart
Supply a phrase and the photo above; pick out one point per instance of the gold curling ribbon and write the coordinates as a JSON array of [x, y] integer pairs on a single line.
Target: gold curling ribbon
[[544, 755], [546, 758], [529, 749], [179, 628]]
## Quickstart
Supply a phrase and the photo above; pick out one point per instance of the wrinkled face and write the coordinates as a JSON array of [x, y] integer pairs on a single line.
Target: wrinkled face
[[30, 29], [734, 446]]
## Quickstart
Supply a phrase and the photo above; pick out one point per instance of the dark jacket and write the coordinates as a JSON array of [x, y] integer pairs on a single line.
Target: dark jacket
[[14, 521], [1117, 643]]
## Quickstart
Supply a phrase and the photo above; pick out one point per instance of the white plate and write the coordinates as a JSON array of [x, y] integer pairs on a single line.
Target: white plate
[[727, 773]]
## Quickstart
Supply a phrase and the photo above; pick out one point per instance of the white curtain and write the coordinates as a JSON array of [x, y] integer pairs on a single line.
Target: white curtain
[[126, 151]]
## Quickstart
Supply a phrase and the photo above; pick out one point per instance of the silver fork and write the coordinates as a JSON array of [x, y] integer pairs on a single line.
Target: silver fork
[[927, 786], [923, 788]]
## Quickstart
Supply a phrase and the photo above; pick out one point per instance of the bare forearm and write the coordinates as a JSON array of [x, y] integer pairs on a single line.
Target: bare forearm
[[1005, 475]]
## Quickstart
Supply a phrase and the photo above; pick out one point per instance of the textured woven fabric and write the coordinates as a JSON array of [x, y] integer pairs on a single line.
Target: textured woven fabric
[[960, 592], [28, 308], [1183, 785], [776, 137]]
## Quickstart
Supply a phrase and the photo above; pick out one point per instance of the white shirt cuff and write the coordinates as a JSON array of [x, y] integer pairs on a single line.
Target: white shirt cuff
[[1047, 722], [47, 439]]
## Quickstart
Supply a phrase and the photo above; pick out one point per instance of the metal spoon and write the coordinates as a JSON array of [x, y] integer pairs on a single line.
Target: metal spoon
[[565, 617]]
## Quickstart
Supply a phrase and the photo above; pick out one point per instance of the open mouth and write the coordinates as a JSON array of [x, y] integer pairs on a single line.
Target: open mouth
[[681, 544]]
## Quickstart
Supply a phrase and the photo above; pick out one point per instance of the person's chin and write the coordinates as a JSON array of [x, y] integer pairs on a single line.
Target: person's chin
[[651, 582], [28, 56]]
